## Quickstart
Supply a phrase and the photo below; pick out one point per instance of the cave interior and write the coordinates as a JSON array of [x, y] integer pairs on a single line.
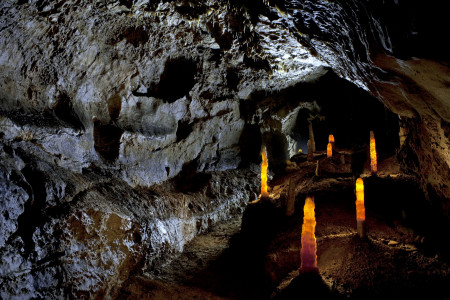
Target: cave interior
[[133, 135]]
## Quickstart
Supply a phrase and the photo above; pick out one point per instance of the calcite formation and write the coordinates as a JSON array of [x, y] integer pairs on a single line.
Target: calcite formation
[[129, 127], [264, 166], [360, 208], [308, 251]]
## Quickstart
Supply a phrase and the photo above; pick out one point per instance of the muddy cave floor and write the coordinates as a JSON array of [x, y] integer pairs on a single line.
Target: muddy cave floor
[[405, 255]]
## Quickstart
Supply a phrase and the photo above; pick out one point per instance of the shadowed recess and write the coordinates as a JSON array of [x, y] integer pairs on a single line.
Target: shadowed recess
[[189, 179], [114, 107], [176, 81], [107, 140], [184, 129], [64, 110]]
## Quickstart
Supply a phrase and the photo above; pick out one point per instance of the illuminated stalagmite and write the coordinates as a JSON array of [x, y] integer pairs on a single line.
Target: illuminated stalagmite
[[264, 166], [373, 154], [360, 210], [331, 139], [329, 150], [308, 252]]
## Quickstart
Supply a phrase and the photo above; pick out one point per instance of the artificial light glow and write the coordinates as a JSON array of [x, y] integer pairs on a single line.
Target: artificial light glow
[[308, 251], [331, 138], [329, 150], [264, 165], [360, 210], [373, 154]]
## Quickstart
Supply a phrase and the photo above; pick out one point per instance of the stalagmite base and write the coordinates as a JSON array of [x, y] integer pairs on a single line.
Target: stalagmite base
[[361, 228]]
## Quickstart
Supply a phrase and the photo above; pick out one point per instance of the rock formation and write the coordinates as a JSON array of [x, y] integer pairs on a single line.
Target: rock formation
[[128, 127]]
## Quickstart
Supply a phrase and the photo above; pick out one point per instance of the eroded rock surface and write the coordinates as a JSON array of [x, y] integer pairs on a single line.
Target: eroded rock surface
[[122, 122], [402, 65], [82, 234]]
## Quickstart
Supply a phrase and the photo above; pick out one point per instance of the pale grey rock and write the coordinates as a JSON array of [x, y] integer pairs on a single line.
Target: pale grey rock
[[12, 197]]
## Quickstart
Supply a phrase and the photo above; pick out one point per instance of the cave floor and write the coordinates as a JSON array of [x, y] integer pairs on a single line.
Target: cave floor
[[405, 253]]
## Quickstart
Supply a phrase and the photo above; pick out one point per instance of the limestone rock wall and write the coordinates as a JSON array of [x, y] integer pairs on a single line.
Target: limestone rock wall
[[69, 234], [122, 122], [132, 86]]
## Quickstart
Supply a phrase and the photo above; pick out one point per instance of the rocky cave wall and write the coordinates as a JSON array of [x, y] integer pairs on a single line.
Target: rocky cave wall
[[392, 49], [122, 122]]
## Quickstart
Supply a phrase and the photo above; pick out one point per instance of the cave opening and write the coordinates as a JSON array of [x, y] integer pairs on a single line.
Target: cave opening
[[328, 106], [347, 112]]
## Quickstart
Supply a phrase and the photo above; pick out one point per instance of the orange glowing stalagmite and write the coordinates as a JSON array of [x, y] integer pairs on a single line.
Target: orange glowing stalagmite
[[264, 165], [360, 209], [329, 150], [373, 154], [331, 139], [308, 252]]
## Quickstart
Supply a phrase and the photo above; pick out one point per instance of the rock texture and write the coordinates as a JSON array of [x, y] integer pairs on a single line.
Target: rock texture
[[82, 234], [405, 66], [122, 122], [101, 101]]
